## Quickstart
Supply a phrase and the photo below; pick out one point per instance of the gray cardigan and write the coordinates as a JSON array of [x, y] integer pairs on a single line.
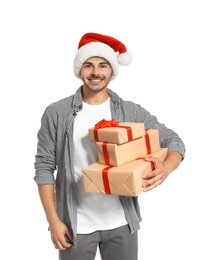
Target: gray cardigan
[[55, 152]]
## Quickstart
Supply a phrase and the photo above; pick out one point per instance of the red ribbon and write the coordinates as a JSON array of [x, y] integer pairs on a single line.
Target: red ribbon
[[147, 140], [105, 180], [105, 153], [110, 123], [102, 124], [106, 123], [152, 166]]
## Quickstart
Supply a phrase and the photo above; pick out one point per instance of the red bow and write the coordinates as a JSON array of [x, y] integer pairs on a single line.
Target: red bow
[[106, 123]]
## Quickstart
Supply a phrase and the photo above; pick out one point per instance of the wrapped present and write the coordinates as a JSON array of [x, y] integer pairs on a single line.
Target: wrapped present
[[119, 154], [114, 132], [124, 180]]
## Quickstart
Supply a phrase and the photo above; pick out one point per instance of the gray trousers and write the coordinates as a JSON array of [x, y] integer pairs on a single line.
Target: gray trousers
[[115, 244]]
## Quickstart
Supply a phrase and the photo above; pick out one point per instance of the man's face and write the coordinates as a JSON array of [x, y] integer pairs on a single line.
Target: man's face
[[96, 73]]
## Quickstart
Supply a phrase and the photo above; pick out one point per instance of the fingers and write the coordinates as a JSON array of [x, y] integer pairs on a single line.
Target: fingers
[[59, 234], [62, 244], [68, 239], [149, 185], [58, 245], [152, 179], [155, 161]]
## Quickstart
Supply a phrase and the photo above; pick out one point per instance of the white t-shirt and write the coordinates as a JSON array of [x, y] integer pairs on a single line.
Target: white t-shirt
[[94, 211]]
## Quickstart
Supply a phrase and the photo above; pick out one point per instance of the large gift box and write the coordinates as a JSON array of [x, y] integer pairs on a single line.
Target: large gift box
[[124, 180], [114, 132], [119, 154]]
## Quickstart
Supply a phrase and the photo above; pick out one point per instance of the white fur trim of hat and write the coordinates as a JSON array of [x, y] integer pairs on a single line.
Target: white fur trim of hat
[[106, 47]]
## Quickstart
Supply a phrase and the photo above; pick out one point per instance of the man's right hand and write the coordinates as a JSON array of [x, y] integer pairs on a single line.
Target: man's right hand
[[59, 234]]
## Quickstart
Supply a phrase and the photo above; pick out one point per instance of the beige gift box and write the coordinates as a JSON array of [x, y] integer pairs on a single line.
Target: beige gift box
[[119, 154], [124, 180], [124, 132]]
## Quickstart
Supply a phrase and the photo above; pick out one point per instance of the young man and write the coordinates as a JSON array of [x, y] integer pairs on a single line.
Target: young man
[[90, 220]]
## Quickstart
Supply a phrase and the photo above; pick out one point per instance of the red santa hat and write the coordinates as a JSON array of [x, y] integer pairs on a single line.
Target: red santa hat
[[106, 47]]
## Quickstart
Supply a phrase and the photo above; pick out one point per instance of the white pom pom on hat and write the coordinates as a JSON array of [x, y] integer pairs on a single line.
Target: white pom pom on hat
[[106, 47]]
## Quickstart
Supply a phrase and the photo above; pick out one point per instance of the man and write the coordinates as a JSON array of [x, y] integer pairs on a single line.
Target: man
[[80, 221]]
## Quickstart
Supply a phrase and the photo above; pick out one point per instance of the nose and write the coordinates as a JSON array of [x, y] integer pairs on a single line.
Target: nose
[[95, 71]]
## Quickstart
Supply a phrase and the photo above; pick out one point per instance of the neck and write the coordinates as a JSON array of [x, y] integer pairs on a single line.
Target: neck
[[94, 98]]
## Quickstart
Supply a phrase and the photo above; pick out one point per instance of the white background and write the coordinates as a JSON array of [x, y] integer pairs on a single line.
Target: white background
[[38, 42]]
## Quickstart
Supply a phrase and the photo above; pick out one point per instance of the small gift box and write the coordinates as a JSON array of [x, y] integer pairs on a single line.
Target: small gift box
[[124, 180], [114, 132], [119, 154]]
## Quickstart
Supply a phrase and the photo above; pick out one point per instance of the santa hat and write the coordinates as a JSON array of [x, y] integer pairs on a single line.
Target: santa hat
[[106, 47]]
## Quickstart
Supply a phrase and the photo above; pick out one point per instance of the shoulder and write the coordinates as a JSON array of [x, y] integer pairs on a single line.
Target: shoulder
[[61, 104], [58, 109]]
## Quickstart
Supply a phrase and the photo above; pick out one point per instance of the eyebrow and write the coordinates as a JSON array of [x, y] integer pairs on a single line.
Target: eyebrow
[[90, 63]]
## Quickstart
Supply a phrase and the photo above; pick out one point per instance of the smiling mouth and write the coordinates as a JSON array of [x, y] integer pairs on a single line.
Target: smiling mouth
[[95, 80]]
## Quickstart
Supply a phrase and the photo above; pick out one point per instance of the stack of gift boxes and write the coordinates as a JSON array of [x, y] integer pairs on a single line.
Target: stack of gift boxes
[[121, 149]]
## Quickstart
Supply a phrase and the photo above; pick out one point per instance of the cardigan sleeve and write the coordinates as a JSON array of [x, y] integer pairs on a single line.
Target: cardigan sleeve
[[168, 137], [45, 159]]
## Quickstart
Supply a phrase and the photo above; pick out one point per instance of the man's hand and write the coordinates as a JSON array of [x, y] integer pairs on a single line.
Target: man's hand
[[161, 170], [59, 234], [155, 177]]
